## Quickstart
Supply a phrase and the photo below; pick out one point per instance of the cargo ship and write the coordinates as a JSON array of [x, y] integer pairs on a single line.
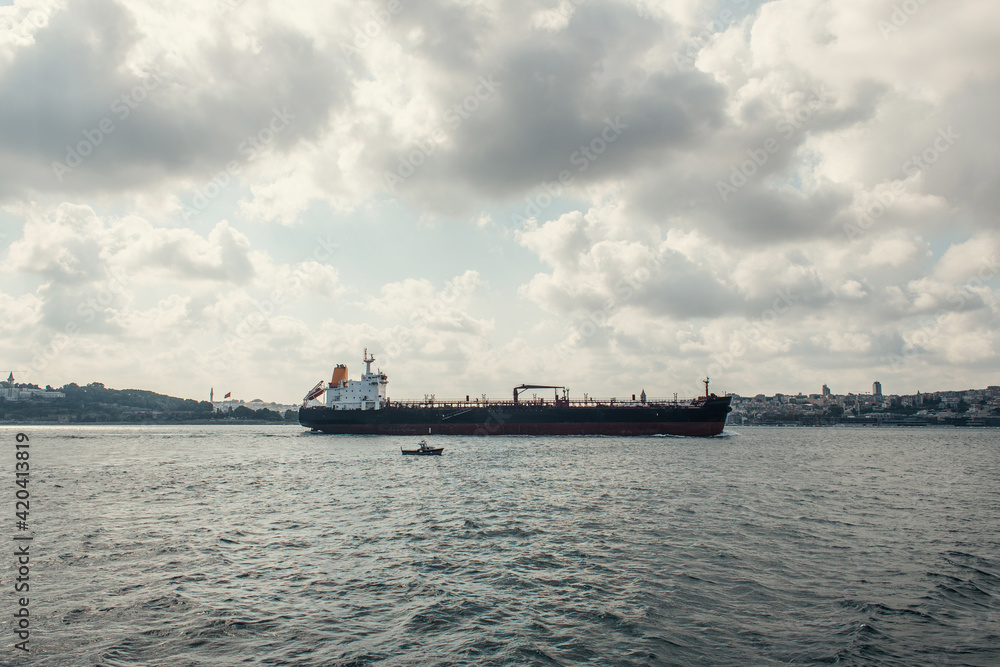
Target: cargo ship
[[361, 407]]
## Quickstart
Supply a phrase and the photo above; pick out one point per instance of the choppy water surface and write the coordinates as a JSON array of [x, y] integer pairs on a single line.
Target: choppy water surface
[[202, 545]]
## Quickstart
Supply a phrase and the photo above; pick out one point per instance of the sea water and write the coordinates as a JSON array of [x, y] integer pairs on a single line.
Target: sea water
[[269, 545]]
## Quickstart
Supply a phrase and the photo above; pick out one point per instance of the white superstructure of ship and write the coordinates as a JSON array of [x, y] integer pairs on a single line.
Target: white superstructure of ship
[[342, 393]]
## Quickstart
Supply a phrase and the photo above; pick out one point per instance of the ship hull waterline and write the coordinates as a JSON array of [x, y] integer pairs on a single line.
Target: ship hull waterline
[[705, 420], [691, 429]]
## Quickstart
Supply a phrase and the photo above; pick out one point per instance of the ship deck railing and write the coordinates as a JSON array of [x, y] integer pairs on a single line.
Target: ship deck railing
[[613, 402]]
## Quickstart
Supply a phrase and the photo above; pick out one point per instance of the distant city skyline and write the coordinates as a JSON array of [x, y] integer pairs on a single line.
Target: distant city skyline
[[824, 392], [608, 195], [962, 408]]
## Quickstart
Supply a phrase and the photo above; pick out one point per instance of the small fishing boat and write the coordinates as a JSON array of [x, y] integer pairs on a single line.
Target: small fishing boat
[[424, 449]]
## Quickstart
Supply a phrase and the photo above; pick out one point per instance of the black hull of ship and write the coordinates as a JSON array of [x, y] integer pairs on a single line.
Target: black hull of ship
[[704, 418]]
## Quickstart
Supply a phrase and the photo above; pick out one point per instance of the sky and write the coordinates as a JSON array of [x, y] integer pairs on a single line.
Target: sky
[[610, 195]]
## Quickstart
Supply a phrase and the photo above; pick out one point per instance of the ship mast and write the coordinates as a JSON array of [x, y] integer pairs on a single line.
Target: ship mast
[[368, 362], [705, 381]]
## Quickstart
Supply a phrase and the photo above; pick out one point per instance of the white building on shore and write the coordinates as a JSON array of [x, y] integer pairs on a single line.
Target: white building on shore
[[13, 391]]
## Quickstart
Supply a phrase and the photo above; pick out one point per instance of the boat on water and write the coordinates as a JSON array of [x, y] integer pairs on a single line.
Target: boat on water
[[361, 407], [423, 449]]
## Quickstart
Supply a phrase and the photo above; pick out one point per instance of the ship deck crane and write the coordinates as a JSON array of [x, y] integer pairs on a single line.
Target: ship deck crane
[[521, 387]]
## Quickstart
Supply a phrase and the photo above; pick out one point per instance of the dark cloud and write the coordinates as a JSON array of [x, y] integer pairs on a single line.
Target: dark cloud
[[575, 99], [71, 88]]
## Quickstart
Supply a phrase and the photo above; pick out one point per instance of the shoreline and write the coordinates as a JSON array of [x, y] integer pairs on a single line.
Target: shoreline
[[179, 422], [263, 422], [910, 426]]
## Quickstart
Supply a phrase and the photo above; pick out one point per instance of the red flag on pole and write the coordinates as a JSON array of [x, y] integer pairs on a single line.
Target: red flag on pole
[[228, 394]]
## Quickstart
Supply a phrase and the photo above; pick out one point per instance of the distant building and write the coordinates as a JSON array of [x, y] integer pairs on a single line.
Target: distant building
[[876, 388], [826, 391], [255, 404], [14, 391]]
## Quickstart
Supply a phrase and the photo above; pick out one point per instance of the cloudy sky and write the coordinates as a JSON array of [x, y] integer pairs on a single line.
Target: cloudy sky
[[607, 194]]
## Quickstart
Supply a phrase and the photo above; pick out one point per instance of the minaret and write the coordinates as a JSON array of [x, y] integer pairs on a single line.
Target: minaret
[[211, 395]]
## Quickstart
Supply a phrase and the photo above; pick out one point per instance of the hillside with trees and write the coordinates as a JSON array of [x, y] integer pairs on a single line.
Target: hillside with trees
[[96, 403]]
